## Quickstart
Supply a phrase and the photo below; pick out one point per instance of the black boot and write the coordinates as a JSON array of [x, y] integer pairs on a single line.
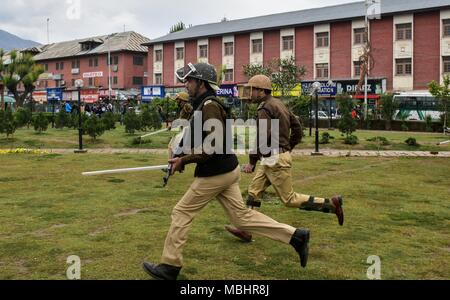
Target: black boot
[[162, 271], [329, 206], [300, 242]]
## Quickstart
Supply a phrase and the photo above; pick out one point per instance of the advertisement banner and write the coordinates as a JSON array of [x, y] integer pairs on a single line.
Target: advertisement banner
[[228, 91], [55, 94], [89, 96], [150, 92], [40, 96]]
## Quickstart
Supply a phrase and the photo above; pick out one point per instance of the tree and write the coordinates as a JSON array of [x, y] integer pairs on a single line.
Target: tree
[[63, 119], [109, 121], [347, 124], [21, 73], [132, 122], [40, 123], [94, 127], [289, 75], [150, 119], [178, 27], [285, 73], [388, 109], [8, 124], [24, 117], [442, 93]]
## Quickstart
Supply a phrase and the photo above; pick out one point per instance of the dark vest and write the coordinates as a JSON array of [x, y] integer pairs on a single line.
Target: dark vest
[[217, 164]]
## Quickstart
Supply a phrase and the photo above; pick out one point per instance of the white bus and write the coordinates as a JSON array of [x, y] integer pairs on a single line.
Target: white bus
[[416, 106]]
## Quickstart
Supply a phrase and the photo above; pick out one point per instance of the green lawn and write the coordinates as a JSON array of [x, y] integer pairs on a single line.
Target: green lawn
[[66, 138], [396, 208]]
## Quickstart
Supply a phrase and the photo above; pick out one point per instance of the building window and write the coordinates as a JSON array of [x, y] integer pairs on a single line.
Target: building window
[[357, 68], [322, 39], [91, 81], [180, 53], [322, 71], [288, 43], [404, 32], [114, 60], [115, 80], [359, 36], [229, 49], [203, 51], [158, 55], [46, 67], [75, 64], [446, 64], [60, 66], [403, 67], [446, 27], [158, 79], [73, 82], [257, 46], [138, 80], [93, 62], [138, 60], [229, 75]]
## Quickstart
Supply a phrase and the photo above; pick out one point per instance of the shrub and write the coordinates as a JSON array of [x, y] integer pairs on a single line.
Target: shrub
[[412, 142], [62, 119], [8, 124], [24, 117], [326, 137], [429, 123], [109, 121], [132, 122], [94, 127], [384, 141], [40, 123], [351, 140], [150, 119]]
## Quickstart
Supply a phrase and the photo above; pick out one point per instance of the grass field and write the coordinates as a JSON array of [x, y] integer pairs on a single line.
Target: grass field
[[396, 208], [62, 139]]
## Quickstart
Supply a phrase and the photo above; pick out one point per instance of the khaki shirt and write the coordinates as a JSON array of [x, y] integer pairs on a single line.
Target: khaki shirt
[[290, 134]]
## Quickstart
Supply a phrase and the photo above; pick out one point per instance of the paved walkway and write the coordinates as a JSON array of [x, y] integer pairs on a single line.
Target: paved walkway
[[329, 153]]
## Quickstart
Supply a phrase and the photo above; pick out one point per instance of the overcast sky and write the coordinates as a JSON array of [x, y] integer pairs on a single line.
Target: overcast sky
[[28, 18]]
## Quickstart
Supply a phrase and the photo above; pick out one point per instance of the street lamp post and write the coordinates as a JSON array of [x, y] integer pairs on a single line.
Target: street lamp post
[[310, 116], [79, 84], [2, 95], [330, 117], [315, 90]]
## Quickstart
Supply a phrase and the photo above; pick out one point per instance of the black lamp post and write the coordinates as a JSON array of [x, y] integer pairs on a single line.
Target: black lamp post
[[310, 116], [315, 90], [79, 84]]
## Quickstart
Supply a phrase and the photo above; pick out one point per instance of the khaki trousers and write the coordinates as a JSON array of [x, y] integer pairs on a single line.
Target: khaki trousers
[[226, 189], [279, 175]]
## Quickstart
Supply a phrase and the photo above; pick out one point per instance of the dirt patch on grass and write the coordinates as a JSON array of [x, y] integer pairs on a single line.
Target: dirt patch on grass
[[132, 212]]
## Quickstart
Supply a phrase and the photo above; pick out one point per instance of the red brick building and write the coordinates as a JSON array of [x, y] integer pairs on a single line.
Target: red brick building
[[87, 59], [410, 44]]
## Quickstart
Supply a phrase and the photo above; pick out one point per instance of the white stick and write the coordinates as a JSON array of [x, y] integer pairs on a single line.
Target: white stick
[[443, 143], [155, 133], [120, 171]]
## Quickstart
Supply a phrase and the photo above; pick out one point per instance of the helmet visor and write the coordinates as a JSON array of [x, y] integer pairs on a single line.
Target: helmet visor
[[183, 73]]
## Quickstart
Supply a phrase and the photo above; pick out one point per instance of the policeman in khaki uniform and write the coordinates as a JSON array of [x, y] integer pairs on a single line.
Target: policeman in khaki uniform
[[259, 89], [183, 102], [217, 176]]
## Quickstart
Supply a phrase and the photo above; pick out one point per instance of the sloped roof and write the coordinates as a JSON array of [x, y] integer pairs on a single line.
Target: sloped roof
[[124, 41], [298, 18]]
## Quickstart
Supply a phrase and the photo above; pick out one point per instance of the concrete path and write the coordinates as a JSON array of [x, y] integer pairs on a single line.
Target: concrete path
[[328, 153]]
